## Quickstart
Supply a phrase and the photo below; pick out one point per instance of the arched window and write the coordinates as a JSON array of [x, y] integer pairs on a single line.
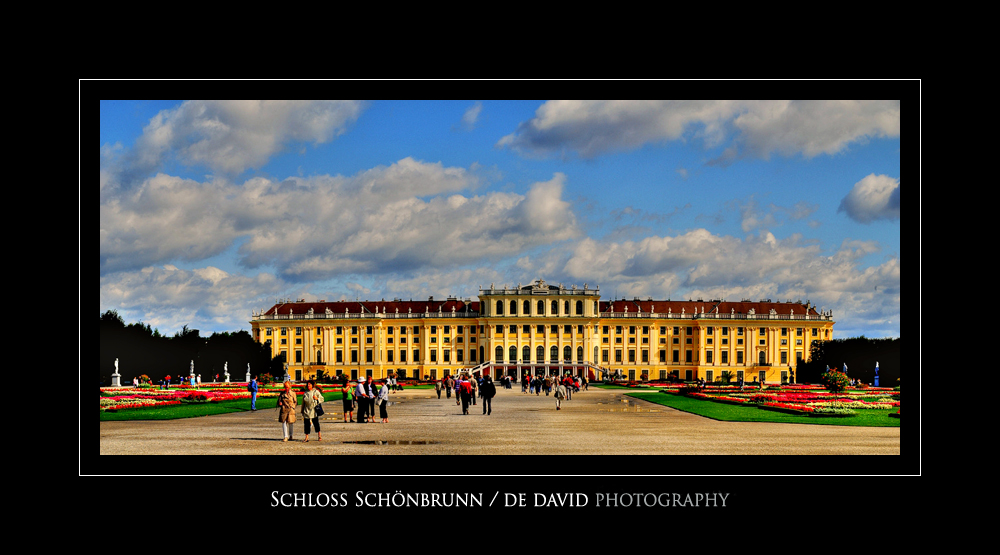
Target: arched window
[[555, 308], [499, 307], [554, 354], [567, 353], [540, 354], [525, 354], [579, 308], [541, 308], [513, 353], [527, 308], [579, 354], [513, 307], [761, 358], [499, 354], [566, 308]]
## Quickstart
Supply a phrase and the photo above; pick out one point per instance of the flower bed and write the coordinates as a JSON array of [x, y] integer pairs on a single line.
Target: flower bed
[[785, 407], [796, 400], [125, 398]]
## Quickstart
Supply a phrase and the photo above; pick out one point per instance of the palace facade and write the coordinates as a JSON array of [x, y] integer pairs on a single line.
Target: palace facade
[[543, 329]]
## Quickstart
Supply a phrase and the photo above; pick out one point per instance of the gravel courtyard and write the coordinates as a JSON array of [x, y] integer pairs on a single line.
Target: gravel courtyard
[[598, 421]]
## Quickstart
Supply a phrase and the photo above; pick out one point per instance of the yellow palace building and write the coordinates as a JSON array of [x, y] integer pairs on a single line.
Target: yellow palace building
[[543, 329]]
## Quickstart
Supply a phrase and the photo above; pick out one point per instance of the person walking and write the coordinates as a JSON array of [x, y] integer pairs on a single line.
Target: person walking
[[559, 394], [466, 394], [347, 392], [437, 388], [286, 410], [312, 398], [383, 403], [252, 388], [474, 384], [488, 391], [448, 385]]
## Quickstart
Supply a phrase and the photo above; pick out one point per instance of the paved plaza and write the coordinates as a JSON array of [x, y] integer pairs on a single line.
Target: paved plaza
[[594, 422]]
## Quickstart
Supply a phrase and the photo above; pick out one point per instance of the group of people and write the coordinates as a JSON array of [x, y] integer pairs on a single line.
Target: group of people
[[364, 397], [467, 387], [537, 384], [312, 398]]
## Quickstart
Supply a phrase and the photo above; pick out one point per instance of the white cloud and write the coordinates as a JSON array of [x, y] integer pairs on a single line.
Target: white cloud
[[700, 264], [471, 116], [876, 197], [231, 136], [166, 218], [758, 128], [811, 128], [168, 298], [408, 215]]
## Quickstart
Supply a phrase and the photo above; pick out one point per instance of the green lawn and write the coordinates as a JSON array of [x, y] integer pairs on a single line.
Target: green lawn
[[737, 413]]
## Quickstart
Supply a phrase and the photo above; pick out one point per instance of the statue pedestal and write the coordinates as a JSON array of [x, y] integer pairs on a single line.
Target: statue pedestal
[[116, 380], [227, 377]]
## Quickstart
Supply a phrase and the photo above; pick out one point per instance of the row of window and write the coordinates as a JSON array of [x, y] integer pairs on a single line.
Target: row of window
[[540, 308], [390, 355], [567, 353], [554, 328]]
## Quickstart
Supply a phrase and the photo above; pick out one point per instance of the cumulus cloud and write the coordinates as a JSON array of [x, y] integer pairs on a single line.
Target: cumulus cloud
[[393, 218], [876, 197], [230, 136], [756, 128], [167, 218], [700, 264], [168, 298]]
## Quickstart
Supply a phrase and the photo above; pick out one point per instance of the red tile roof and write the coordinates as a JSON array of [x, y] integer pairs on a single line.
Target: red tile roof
[[661, 306], [724, 307]]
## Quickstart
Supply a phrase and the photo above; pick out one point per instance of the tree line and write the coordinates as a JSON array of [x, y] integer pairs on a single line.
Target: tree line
[[141, 349], [860, 354]]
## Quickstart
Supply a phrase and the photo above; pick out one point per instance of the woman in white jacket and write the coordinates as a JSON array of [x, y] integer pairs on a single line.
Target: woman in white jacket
[[383, 402]]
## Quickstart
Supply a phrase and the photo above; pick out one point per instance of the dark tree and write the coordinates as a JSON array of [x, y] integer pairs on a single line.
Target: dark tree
[[860, 354], [142, 350]]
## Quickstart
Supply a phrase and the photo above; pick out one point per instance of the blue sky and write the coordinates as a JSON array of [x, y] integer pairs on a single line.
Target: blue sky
[[212, 209]]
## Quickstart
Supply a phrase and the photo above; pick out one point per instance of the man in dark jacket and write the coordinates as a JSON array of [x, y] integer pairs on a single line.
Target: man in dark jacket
[[488, 391]]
